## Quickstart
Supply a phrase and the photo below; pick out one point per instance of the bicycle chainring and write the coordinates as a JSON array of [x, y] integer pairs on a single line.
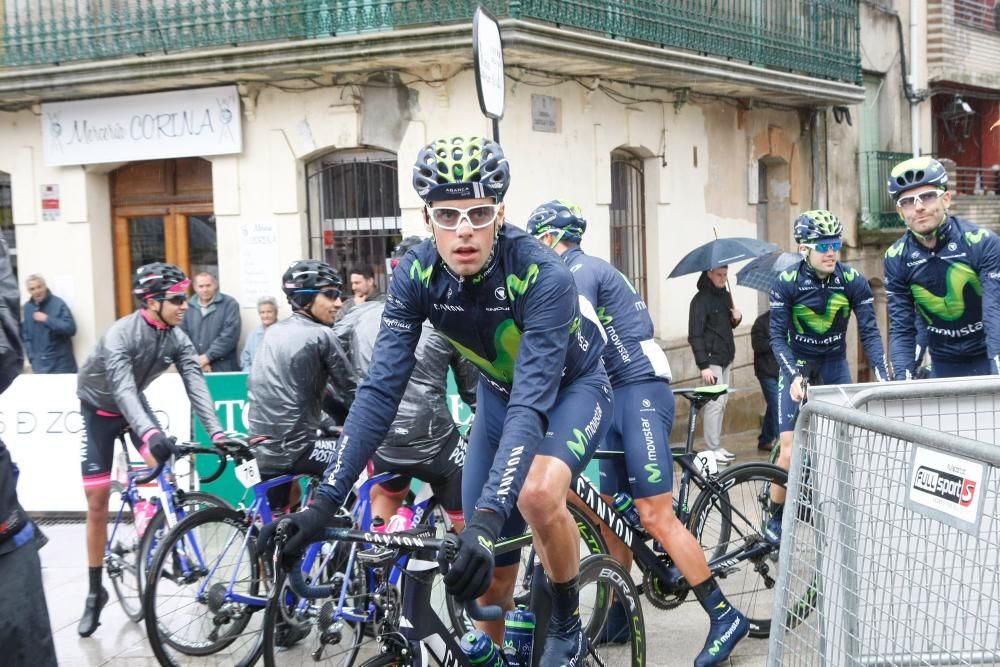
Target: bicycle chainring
[[660, 593]]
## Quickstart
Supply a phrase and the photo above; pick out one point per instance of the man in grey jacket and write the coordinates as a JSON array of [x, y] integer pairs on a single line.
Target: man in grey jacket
[[213, 325]]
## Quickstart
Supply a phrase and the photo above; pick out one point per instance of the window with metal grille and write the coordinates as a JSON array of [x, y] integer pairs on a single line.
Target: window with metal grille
[[353, 201], [628, 218], [7, 220]]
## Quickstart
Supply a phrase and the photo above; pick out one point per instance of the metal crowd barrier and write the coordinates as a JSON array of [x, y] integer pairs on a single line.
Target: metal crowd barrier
[[891, 536]]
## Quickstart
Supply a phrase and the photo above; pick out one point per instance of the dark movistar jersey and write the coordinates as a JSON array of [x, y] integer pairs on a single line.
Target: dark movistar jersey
[[809, 317], [956, 290], [631, 354], [518, 318]]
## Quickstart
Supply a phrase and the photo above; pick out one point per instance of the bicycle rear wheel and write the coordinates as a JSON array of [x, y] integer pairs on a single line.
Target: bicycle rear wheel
[[316, 632], [729, 518], [603, 583], [204, 588]]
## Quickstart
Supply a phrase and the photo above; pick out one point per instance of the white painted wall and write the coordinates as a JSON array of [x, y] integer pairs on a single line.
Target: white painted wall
[[686, 197]]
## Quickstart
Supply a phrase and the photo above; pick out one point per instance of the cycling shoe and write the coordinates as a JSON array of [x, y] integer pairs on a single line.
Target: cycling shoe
[[724, 633], [772, 531], [92, 612], [566, 645]]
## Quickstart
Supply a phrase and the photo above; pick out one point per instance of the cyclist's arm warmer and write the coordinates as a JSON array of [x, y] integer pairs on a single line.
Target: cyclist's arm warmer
[[121, 380], [989, 278], [546, 315], [186, 361], [902, 331], [378, 397], [782, 293], [862, 302]]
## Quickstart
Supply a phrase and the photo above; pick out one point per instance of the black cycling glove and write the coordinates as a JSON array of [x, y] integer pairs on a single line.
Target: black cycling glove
[[160, 446], [470, 573], [302, 529]]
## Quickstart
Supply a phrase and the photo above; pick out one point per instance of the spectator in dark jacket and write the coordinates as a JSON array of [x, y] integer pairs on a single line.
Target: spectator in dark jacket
[[711, 321], [25, 633], [213, 324], [765, 367], [47, 330]]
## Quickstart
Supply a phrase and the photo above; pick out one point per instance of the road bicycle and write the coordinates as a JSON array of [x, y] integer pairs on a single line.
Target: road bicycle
[[410, 632], [139, 525], [727, 517]]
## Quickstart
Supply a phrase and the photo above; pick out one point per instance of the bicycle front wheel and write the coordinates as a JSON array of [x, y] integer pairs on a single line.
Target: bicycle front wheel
[[303, 632], [728, 519], [603, 583], [204, 588]]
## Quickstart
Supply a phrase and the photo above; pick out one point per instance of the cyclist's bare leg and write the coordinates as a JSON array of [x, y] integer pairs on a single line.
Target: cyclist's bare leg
[[786, 438], [385, 503], [542, 503], [657, 516], [500, 593], [97, 523]]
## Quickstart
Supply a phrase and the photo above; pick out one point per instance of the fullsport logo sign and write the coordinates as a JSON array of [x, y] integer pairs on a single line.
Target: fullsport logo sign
[[947, 487]]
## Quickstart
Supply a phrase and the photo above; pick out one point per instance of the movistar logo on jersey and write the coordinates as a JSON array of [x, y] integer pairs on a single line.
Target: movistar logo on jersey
[[654, 472], [972, 238], [819, 324], [506, 340], [604, 319], [788, 276], [517, 286], [849, 274], [895, 249], [951, 306], [421, 274]]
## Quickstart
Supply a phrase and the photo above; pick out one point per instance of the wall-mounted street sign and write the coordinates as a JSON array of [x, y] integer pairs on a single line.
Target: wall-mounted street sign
[[487, 55]]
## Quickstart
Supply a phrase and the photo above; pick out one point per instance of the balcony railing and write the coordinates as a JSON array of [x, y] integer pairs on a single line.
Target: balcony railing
[[982, 14], [814, 37], [977, 181], [878, 210]]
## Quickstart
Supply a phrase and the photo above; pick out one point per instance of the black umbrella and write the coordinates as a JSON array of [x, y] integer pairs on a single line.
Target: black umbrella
[[760, 273], [721, 252]]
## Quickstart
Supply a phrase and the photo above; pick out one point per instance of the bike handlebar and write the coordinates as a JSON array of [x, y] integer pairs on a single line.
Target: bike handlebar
[[402, 541]]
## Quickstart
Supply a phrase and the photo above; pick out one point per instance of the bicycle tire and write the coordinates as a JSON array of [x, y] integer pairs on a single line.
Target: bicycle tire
[[288, 641], [723, 527], [184, 615], [132, 603], [591, 537], [387, 660], [603, 582]]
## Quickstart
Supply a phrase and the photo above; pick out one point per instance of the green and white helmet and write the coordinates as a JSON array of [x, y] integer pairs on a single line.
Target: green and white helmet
[[819, 224], [461, 168], [915, 172]]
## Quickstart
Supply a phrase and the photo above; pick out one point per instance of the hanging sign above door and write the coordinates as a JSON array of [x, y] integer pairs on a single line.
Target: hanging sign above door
[[183, 123]]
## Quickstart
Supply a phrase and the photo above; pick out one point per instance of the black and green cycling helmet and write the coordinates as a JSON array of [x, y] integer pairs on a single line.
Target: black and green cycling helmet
[[819, 224], [915, 172], [461, 168], [563, 219]]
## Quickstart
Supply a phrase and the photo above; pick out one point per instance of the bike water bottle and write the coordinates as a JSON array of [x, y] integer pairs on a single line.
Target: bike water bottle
[[481, 650], [400, 520], [142, 514], [121, 468], [518, 637], [623, 502]]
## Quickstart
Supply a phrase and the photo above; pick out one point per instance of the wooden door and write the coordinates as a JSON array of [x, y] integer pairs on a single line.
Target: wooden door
[[162, 212]]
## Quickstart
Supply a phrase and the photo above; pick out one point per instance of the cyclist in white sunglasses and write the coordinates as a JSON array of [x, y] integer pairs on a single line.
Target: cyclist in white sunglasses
[[811, 305], [949, 271]]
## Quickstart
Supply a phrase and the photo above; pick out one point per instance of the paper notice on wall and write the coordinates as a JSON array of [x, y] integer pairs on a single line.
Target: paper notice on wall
[[260, 274]]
